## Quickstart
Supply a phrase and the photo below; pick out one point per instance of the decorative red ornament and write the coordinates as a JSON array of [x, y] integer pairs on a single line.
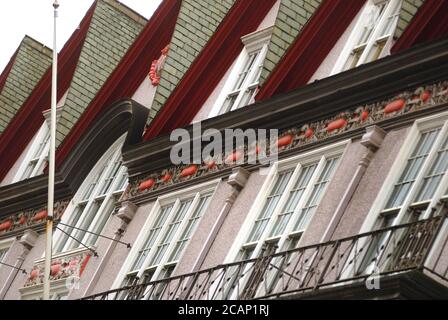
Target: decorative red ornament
[[211, 164], [337, 124], [394, 106], [147, 184], [234, 157], [284, 141], [364, 115], [189, 171], [6, 225], [40, 215], [73, 263], [157, 66], [425, 96], [166, 177], [309, 133], [55, 269], [34, 273], [22, 220], [84, 264]]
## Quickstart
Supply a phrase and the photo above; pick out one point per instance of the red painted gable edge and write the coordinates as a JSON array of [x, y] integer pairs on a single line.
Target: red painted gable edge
[[311, 47], [130, 72], [429, 23], [29, 118], [209, 67]]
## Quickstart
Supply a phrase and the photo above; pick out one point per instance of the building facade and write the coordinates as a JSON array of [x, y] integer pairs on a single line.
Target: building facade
[[353, 206]]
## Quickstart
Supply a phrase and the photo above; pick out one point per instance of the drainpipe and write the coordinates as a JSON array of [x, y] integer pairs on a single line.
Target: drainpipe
[[28, 241], [126, 213], [372, 140], [237, 180]]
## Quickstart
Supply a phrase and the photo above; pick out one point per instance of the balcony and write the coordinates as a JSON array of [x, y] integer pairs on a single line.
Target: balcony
[[406, 261]]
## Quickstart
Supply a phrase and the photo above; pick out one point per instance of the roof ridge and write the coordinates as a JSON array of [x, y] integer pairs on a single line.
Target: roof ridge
[[37, 45], [134, 15], [110, 34]]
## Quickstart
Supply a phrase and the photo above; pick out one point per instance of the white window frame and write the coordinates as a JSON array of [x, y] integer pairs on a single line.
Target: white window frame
[[377, 213], [42, 134], [5, 245], [205, 188], [322, 155], [258, 40], [397, 169], [374, 37], [40, 159], [70, 245]]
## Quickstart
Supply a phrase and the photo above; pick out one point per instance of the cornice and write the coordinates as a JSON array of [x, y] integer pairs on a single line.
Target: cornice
[[324, 99]]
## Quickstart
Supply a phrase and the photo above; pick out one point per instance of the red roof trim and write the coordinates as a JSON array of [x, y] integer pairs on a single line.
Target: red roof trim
[[209, 67], [429, 23], [311, 47], [130, 73], [29, 119]]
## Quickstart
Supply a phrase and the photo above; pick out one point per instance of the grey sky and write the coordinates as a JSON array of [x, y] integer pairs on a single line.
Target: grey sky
[[35, 18]]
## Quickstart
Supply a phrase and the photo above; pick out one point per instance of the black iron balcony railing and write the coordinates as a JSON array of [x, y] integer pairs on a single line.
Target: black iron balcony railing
[[413, 246]]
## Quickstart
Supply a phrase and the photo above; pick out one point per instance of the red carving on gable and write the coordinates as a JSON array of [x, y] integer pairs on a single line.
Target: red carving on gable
[[157, 66]]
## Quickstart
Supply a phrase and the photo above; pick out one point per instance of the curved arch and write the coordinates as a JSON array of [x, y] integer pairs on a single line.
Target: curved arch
[[123, 116]]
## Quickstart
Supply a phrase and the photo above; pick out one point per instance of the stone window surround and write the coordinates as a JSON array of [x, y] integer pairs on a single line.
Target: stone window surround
[[336, 149], [41, 135], [208, 187], [258, 40], [397, 169], [373, 38], [5, 245], [66, 218]]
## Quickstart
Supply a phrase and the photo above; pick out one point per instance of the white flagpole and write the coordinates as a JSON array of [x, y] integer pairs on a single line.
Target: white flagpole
[[51, 167]]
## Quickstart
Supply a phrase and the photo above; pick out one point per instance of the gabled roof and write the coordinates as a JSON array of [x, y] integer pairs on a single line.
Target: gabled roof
[[292, 16], [113, 29], [196, 24], [85, 62], [23, 73], [29, 118], [209, 67], [129, 74]]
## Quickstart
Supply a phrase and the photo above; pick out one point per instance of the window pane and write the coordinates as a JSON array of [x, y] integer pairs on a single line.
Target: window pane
[[152, 236], [391, 23], [247, 97], [85, 224], [40, 149], [105, 215], [108, 181], [229, 102], [293, 199], [373, 17], [177, 219], [316, 194], [72, 222], [270, 205], [413, 167], [189, 229], [435, 174], [246, 70], [3, 253]]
